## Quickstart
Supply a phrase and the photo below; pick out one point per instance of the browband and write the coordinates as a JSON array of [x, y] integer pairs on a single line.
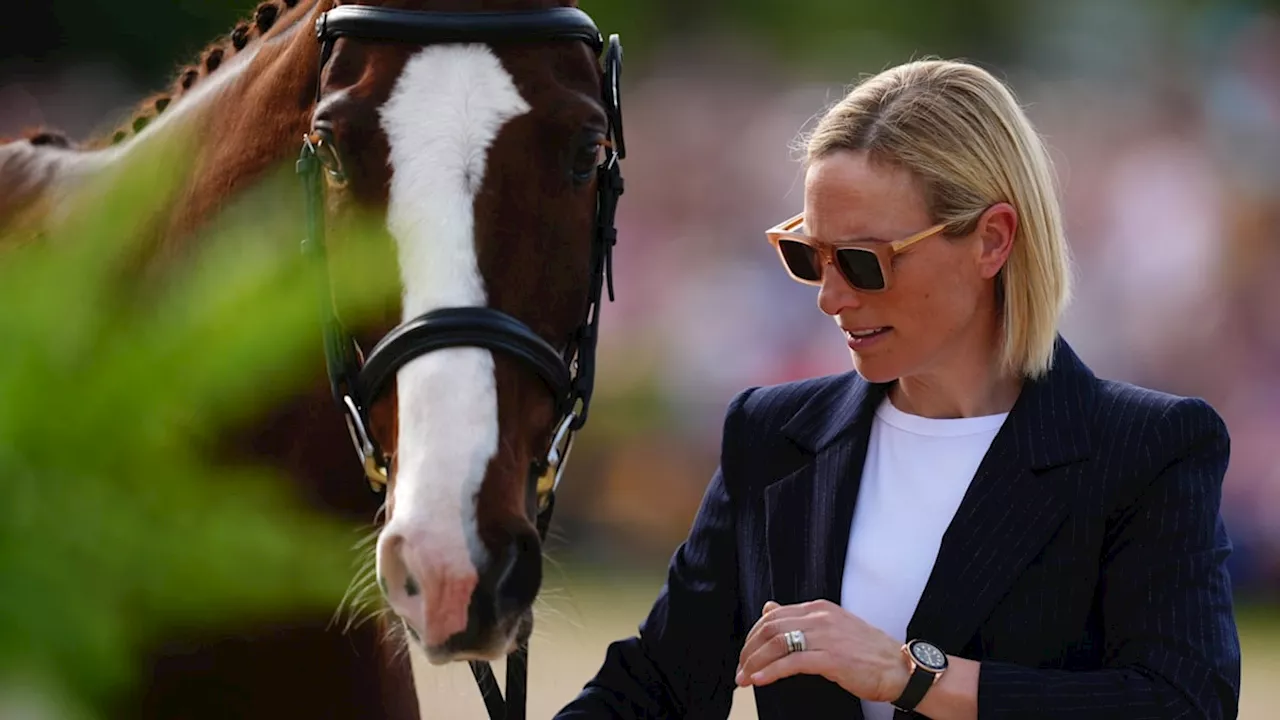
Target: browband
[[424, 28]]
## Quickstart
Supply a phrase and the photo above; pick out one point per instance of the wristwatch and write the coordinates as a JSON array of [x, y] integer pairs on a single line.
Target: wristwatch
[[927, 665]]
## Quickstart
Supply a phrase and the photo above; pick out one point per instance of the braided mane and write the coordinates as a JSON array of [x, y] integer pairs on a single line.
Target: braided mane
[[264, 18]]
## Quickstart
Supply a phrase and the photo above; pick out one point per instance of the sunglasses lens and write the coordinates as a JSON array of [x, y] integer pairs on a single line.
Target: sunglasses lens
[[801, 260], [861, 268]]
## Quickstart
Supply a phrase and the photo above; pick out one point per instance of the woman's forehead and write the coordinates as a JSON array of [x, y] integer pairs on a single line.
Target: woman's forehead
[[845, 195], [853, 174]]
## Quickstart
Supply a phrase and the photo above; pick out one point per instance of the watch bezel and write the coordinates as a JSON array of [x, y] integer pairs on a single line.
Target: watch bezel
[[924, 664]]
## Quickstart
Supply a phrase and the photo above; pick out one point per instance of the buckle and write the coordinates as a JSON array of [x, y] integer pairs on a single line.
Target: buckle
[[374, 470], [322, 147], [557, 456]]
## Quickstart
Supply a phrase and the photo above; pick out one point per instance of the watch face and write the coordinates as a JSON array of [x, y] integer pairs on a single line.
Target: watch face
[[929, 656]]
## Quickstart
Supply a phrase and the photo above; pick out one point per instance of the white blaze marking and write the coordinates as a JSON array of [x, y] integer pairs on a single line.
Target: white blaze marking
[[445, 111]]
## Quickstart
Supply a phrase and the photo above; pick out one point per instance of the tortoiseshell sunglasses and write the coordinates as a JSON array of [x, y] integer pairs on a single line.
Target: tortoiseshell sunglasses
[[864, 265]]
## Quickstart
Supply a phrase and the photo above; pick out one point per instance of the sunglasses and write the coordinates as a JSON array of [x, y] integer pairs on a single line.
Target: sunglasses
[[864, 265]]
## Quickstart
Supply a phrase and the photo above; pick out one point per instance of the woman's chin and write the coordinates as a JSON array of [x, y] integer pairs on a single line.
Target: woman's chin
[[873, 369]]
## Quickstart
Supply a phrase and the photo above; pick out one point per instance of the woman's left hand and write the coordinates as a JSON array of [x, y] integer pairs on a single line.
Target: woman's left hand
[[840, 647]]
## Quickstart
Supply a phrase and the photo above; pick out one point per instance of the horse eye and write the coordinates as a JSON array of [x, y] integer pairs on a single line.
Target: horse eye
[[586, 159]]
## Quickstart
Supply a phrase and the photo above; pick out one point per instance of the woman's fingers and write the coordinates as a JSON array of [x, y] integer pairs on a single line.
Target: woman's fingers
[[770, 645], [809, 662]]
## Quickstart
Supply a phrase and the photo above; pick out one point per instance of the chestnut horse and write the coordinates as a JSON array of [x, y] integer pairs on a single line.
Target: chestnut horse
[[487, 137]]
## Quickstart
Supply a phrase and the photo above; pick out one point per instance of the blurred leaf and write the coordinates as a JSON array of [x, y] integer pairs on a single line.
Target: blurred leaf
[[114, 525]]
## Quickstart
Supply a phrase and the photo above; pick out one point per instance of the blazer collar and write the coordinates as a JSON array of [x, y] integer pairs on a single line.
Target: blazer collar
[[1008, 513], [826, 415], [1049, 414], [808, 512]]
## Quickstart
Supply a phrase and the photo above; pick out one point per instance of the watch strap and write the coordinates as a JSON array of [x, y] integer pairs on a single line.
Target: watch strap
[[919, 683]]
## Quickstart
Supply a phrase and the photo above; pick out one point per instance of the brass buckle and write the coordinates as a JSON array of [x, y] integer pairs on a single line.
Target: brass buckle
[[327, 153], [374, 470], [561, 445]]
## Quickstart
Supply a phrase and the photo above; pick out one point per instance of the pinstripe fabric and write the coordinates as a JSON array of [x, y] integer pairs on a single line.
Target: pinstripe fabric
[[1084, 567]]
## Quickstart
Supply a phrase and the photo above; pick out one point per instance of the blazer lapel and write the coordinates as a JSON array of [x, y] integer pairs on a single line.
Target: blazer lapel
[[807, 519], [1018, 497], [808, 513]]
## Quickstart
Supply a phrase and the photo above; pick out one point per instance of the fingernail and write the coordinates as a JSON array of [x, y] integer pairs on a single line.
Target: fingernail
[[737, 680]]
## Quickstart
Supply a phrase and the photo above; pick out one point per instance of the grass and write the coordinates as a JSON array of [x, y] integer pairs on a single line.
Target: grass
[[580, 614]]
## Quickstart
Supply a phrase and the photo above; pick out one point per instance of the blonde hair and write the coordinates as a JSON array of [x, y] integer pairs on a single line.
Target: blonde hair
[[963, 135]]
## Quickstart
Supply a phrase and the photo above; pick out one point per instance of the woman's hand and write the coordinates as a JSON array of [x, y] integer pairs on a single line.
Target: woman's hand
[[840, 647]]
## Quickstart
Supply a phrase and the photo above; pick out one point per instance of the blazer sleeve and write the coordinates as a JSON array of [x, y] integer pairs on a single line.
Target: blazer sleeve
[[1165, 598], [681, 663]]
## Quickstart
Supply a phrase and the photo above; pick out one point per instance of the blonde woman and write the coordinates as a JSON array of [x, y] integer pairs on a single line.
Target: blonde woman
[[969, 524]]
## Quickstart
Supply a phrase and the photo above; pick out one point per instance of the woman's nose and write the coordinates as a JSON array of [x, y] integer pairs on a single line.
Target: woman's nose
[[836, 294]]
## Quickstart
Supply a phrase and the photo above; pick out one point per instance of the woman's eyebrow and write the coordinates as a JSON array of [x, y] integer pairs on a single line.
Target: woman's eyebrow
[[859, 239]]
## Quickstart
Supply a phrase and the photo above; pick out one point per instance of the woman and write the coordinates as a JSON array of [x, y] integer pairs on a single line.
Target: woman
[[971, 524]]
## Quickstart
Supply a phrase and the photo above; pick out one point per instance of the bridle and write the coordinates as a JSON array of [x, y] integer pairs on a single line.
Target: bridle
[[356, 380]]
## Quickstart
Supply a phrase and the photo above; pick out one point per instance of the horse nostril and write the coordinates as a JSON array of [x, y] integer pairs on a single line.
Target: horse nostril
[[392, 572], [521, 573]]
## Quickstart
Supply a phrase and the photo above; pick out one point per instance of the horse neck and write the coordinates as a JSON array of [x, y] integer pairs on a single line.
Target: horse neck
[[238, 123], [252, 124]]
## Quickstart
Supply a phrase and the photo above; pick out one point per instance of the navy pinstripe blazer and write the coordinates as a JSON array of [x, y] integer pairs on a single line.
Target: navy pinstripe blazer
[[1084, 567]]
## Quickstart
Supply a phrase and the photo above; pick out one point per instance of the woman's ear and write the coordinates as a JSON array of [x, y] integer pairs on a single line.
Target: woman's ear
[[997, 230]]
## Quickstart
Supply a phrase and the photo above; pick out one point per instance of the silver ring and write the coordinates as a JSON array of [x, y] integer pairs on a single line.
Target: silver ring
[[795, 641]]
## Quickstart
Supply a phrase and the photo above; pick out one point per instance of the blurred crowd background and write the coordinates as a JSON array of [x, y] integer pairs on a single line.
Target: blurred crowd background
[[1163, 117]]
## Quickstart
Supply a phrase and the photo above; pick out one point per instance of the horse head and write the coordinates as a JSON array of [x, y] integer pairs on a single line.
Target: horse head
[[487, 134]]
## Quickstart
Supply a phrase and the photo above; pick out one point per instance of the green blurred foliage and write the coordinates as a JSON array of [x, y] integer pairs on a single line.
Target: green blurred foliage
[[151, 38], [116, 523], [147, 38]]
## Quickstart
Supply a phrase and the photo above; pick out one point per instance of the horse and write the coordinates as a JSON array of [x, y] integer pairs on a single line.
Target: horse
[[486, 137]]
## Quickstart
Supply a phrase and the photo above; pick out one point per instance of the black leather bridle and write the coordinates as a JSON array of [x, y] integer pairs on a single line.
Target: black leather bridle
[[356, 381]]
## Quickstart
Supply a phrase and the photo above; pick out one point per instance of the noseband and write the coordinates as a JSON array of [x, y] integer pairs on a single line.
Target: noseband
[[356, 380]]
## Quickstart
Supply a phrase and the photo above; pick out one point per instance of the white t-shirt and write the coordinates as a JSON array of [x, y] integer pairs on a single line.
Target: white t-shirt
[[916, 473]]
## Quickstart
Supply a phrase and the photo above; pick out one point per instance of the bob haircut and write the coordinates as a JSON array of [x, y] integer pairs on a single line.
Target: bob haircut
[[963, 135]]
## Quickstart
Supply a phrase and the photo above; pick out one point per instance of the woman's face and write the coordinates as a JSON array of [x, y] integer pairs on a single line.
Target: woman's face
[[941, 298]]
